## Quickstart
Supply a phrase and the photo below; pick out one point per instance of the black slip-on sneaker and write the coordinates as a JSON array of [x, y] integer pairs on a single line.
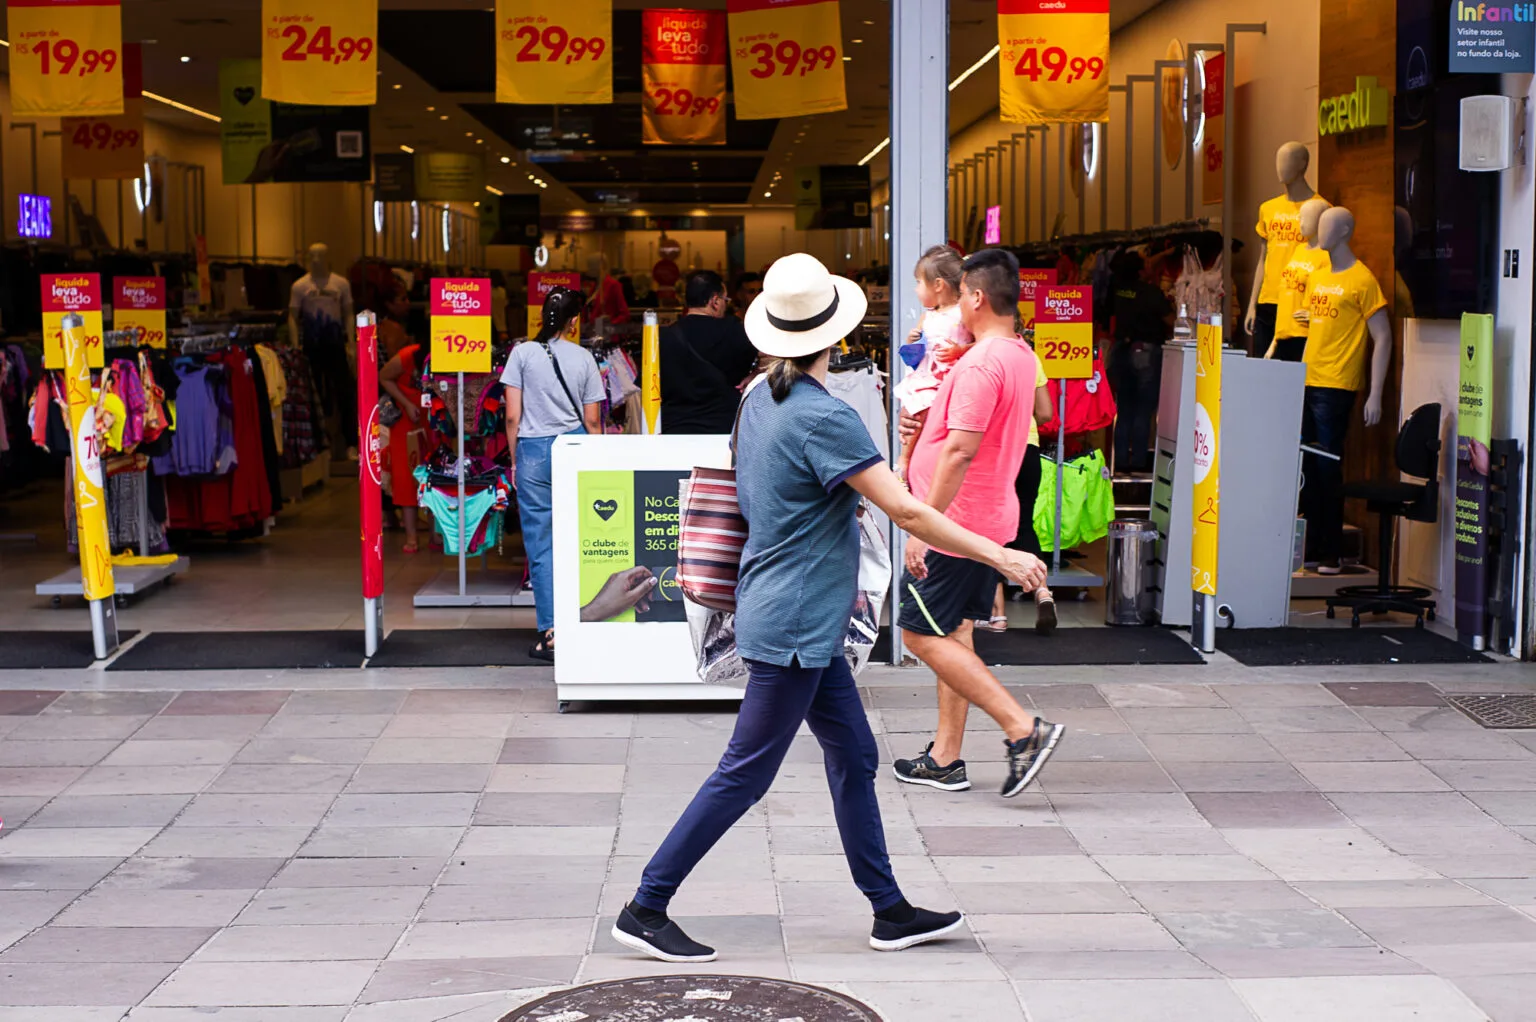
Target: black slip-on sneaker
[[668, 944], [925, 926], [923, 770], [1027, 755]]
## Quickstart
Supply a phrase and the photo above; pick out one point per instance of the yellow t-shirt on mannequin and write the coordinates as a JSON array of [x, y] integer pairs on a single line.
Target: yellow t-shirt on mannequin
[[1280, 227], [1340, 305], [1293, 289]]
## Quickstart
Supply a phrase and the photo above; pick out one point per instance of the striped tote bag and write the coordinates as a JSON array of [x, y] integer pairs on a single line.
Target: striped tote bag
[[712, 535]]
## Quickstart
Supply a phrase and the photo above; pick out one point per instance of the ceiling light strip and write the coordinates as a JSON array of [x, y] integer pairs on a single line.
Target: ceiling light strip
[[877, 150]]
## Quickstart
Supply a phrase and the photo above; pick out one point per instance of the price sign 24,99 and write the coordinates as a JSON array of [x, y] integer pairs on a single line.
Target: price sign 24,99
[[1064, 331], [1052, 61], [461, 324], [320, 55]]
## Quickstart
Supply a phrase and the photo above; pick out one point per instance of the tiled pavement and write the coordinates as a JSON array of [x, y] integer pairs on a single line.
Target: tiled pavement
[[1212, 845]]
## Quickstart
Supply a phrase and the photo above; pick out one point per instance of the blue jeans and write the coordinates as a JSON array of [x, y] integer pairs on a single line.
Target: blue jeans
[[1325, 415], [776, 701], [534, 504]]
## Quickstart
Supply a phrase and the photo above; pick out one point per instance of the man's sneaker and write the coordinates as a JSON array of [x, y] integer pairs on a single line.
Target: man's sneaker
[[925, 926], [1330, 567], [668, 944], [1045, 616], [1027, 755], [923, 770]]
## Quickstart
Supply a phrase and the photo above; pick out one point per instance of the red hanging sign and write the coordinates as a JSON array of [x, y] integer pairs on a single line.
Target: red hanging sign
[[683, 77], [138, 304]]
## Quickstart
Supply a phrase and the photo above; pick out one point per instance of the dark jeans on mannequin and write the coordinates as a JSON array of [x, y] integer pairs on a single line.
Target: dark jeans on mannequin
[[1264, 317], [1136, 378], [1325, 415]]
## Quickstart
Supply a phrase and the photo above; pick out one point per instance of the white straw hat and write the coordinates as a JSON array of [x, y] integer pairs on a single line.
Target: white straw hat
[[803, 308]]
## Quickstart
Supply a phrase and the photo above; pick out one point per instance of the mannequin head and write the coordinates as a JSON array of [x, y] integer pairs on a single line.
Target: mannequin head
[[319, 261], [1311, 214], [1335, 229], [1291, 162]]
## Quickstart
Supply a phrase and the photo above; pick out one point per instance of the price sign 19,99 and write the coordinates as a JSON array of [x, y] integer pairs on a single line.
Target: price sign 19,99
[[1053, 59], [320, 56], [788, 57], [554, 53], [1064, 331], [460, 310], [63, 293], [65, 58]]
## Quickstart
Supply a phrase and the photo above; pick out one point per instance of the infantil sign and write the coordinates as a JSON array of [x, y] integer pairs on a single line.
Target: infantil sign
[[1488, 38]]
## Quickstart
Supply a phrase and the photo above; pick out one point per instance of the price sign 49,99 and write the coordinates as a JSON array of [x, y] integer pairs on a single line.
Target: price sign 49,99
[[554, 53], [788, 57], [460, 310], [1064, 331], [320, 55], [1053, 59]]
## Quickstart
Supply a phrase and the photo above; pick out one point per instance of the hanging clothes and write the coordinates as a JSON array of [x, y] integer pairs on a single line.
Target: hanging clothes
[[1087, 504]]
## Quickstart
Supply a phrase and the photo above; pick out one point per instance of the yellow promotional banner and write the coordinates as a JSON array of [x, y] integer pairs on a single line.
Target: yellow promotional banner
[[682, 72], [1212, 149], [1031, 282], [539, 287], [554, 52], [1053, 61], [65, 57], [786, 58], [320, 54], [650, 372], [109, 147], [1064, 331], [460, 310], [90, 492], [65, 293], [1207, 455], [138, 304]]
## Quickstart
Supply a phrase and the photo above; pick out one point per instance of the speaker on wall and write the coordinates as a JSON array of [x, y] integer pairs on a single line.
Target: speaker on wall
[[1489, 132]]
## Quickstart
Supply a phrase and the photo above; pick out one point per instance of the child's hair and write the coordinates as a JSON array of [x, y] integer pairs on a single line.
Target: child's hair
[[941, 263], [783, 372]]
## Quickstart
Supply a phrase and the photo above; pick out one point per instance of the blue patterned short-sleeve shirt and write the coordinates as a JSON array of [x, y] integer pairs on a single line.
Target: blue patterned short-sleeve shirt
[[800, 567]]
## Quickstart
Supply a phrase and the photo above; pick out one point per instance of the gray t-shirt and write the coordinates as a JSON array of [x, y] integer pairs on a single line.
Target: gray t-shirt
[[547, 410], [800, 566], [328, 301]]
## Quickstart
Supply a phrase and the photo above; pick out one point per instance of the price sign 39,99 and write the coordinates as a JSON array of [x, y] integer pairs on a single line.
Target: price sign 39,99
[[787, 56], [461, 324], [1064, 331], [1053, 59]]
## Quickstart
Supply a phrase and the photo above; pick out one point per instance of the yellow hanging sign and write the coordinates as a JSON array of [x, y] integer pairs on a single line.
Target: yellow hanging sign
[[320, 54], [65, 57], [65, 293], [1053, 59], [460, 310], [682, 71], [554, 53], [90, 491], [1206, 457], [650, 372], [786, 58], [110, 146]]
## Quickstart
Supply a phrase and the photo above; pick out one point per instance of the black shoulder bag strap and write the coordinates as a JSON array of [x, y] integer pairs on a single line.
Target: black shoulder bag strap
[[561, 378]]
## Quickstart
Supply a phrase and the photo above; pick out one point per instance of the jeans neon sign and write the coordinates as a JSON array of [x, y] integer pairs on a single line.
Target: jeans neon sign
[[36, 219]]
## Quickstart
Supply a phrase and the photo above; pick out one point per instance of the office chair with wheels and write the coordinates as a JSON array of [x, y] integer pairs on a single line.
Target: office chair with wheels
[[1418, 454]]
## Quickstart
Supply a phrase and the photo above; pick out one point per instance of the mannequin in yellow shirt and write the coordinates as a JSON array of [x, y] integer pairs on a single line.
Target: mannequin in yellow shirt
[[1279, 232], [1344, 307], [1290, 332]]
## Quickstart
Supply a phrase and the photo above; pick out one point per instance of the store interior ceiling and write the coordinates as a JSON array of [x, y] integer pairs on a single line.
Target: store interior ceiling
[[437, 83]]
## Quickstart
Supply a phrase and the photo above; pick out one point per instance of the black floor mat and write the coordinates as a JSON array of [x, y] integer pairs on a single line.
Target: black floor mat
[[233, 651], [1333, 647], [1021, 647], [457, 647], [30, 651]]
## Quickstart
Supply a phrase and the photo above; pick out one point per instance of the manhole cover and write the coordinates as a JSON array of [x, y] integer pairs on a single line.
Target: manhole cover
[[695, 999], [1499, 710]]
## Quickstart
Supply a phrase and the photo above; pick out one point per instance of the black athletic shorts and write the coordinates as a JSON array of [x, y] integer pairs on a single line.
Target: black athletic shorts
[[956, 590]]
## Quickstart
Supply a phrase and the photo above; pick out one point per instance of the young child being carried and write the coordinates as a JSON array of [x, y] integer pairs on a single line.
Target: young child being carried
[[942, 335]]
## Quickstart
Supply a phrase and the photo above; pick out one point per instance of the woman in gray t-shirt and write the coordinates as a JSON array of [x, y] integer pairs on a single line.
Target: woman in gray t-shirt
[[552, 388], [804, 460]]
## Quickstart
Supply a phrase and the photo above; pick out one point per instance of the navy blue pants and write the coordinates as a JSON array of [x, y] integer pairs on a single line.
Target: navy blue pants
[[776, 701], [1325, 415]]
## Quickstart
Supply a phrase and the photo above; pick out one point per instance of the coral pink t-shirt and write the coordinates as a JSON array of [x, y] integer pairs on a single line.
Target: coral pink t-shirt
[[992, 392]]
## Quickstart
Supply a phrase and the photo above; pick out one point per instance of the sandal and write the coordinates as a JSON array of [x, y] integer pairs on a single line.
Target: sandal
[[998, 623], [410, 548], [544, 649]]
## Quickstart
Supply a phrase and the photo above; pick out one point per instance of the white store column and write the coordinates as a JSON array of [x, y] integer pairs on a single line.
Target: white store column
[[919, 191]]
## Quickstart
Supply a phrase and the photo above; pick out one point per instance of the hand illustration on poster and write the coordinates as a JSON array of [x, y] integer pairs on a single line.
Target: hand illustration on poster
[[628, 525]]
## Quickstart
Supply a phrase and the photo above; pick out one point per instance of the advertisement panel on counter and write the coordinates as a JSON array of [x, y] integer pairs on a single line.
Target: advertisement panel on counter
[[1054, 61], [554, 53], [682, 74], [1474, 431], [786, 58], [65, 58]]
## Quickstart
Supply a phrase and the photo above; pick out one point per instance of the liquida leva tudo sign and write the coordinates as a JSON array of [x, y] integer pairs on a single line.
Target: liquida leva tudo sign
[[1488, 38], [1369, 106]]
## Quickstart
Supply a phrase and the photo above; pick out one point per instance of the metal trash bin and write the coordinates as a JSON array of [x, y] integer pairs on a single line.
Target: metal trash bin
[[1130, 574]]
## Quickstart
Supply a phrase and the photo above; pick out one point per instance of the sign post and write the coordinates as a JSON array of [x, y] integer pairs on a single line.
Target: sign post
[[460, 312], [650, 372], [1207, 464], [90, 490], [1064, 345], [370, 436]]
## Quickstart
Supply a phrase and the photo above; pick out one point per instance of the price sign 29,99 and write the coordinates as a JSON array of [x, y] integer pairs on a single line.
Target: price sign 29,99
[[1064, 331], [554, 53], [1053, 61], [461, 324]]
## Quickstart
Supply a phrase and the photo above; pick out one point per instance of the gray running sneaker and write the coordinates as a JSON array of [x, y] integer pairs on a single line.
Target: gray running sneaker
[[923, 770], [1027, 755]]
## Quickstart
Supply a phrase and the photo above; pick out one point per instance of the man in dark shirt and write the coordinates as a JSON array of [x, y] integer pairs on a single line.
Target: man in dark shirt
[[704, 357]]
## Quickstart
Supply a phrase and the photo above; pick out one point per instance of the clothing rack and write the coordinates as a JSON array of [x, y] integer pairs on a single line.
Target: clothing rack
[[1102, 239]]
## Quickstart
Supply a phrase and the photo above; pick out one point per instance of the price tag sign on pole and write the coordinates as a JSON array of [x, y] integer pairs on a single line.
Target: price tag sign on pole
[[1053, 61], [109, 147], [66, 58], [683, 75], [1207, 460], [65, 293], [786, 58], [138, 304], [320, 54], [650, 371], [1030, 283], [554, 52], [539, 287], [461, 324], [1064, 331]]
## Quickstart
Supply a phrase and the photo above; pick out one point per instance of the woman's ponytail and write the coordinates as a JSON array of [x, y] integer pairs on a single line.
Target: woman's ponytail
[[784, 372]]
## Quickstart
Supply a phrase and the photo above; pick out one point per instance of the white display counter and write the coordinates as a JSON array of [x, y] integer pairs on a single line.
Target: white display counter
[[616, 512]]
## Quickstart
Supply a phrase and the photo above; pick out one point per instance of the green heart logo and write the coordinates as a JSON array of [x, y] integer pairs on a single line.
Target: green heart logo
[[605, 509]]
